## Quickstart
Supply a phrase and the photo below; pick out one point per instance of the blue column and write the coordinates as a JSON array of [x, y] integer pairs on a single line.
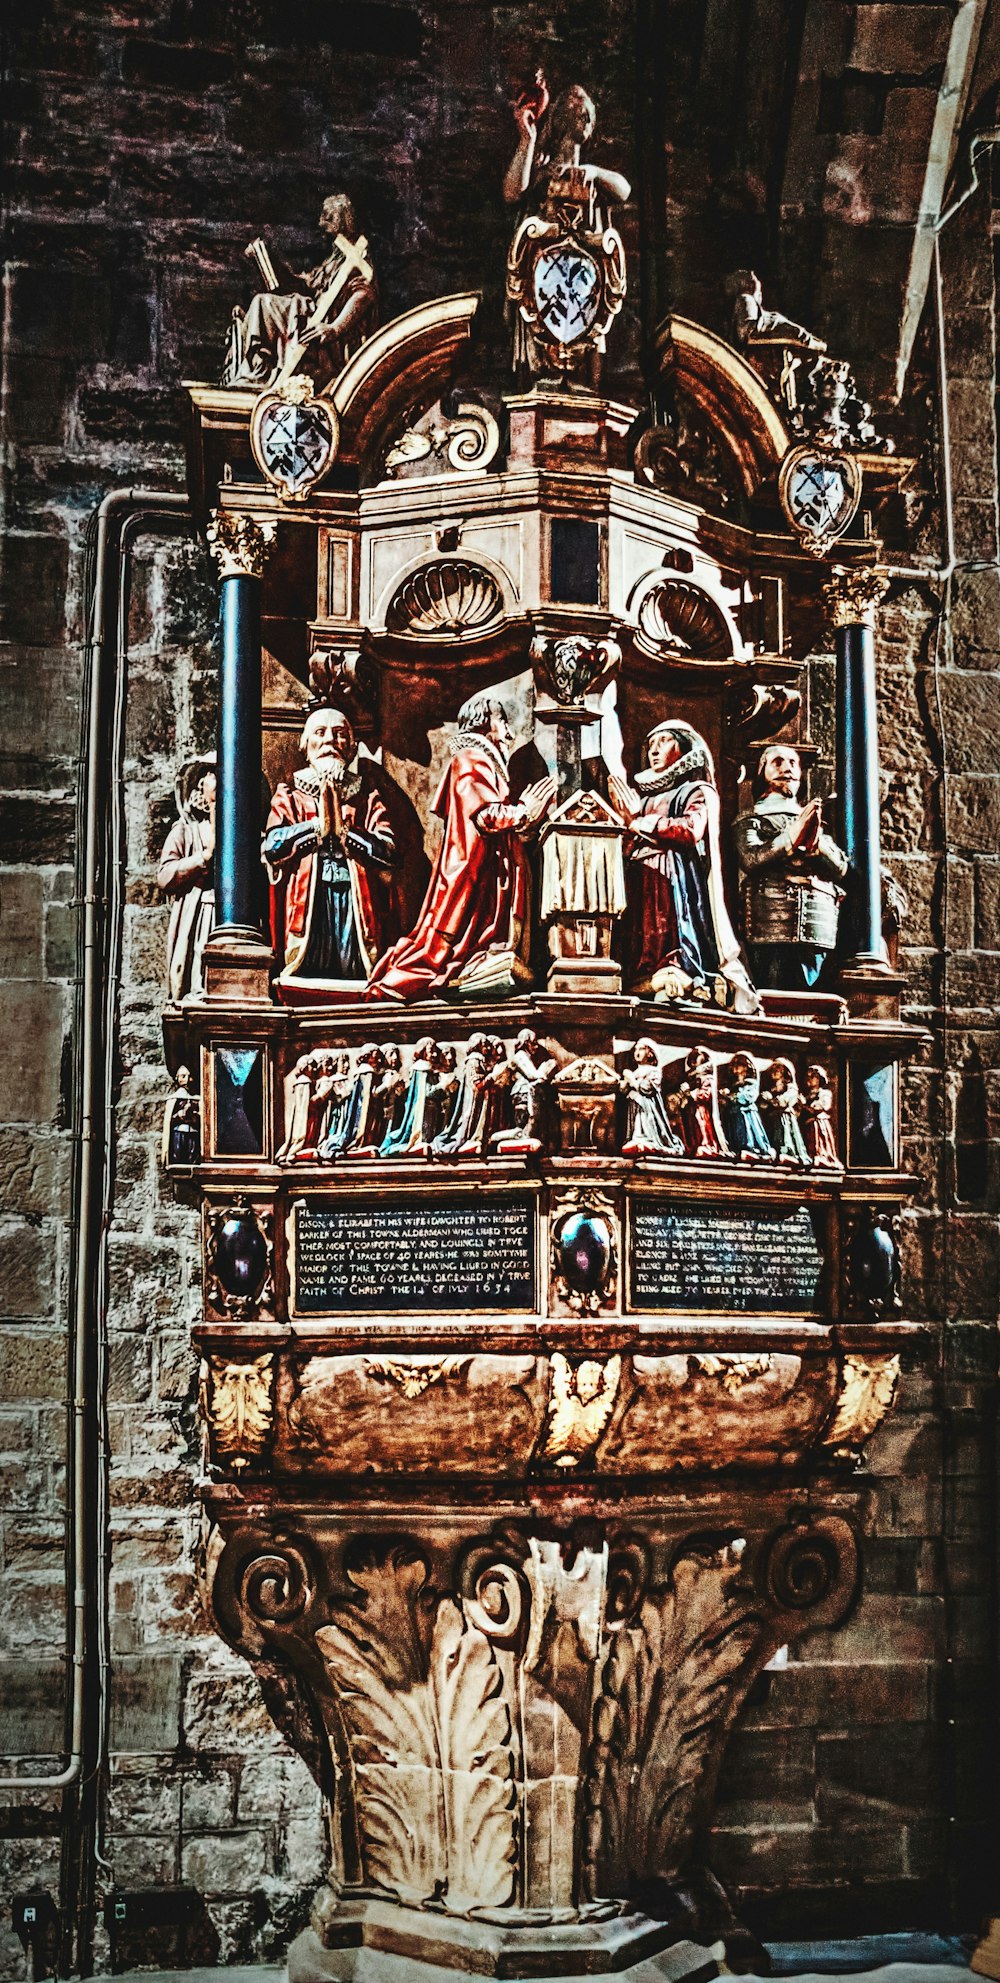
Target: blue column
[[852, 596], [240, 546]]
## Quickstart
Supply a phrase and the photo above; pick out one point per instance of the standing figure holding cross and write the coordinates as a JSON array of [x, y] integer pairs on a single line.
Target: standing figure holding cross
[[325, 312]]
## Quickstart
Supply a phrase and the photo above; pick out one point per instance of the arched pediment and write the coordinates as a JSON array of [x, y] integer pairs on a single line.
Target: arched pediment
[[406, 365], [730, 395]]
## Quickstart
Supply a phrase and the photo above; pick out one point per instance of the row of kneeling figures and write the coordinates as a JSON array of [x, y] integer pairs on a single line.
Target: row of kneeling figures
[[492, 1096], [355, 911]]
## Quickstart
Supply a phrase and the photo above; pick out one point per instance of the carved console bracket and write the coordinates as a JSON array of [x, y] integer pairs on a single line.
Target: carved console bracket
[[523, 1729]]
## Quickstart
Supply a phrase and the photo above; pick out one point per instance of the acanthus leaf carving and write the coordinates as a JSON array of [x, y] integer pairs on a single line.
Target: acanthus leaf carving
[[474, 1738], [655, 1746], [430, 1737], [239, 1407], [867, 1389]]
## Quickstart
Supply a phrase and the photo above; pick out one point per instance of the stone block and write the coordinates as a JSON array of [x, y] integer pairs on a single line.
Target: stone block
[[32, 1018], [21, 911], [225, 1862], [767, 1779], [143, 1862], [146, 1703], [975, 533], [895, 1769], [975, 619], [210, 1798], [975, 814], [61, 313], [303, 1851], [130, 1370], [144, 1800], [27, 1274], [34, 1173], [276, 1788], [37, 829], [32, 1364], [61, 923], [886, 1630], [35, 1621], [32, 1706], [33, 588], [224, 1713]]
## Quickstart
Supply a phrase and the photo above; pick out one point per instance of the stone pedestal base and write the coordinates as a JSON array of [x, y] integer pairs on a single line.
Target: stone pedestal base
[[376, 1941], [585, 976], [237, 969]]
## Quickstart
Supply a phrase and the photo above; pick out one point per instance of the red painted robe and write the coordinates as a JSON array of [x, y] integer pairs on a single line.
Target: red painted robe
[[477, 898]]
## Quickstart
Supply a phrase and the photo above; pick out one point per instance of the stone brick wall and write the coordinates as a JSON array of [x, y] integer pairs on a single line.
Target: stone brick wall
[[149, 144]]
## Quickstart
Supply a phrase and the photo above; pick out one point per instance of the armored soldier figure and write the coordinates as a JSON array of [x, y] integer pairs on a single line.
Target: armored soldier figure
[[794, 872]]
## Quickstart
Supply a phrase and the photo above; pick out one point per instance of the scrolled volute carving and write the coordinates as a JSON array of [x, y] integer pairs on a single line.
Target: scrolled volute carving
[[263, 1588], [467, 441], [277, 1587], [812, 1568]]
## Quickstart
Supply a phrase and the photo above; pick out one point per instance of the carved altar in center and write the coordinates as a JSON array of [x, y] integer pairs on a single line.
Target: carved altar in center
[[551, 1286]]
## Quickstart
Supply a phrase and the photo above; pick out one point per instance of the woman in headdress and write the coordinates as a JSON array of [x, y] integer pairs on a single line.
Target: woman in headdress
[[679, 930]]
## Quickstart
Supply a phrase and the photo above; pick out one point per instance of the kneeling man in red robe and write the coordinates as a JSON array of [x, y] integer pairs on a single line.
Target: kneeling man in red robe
[[472, 933]]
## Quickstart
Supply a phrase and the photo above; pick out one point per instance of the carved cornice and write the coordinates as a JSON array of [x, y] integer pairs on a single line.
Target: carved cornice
[[852, 595], [239, 544]]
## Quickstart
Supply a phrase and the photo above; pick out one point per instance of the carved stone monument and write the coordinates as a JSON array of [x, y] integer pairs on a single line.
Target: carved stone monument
[[551, 1289]]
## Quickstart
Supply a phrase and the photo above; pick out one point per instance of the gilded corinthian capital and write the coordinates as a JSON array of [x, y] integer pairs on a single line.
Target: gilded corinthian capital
[[239, 544], [852, 594]]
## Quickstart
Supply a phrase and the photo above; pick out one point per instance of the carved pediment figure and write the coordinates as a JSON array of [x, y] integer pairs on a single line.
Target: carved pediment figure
[[566, 267], [472, 931], [317, 315]]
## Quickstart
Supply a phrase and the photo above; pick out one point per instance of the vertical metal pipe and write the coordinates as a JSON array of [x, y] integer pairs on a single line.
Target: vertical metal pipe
[[237, 804]]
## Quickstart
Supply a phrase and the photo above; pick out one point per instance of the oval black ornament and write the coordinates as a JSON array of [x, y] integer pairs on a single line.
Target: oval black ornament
[[585, 1249], [240, 1253]]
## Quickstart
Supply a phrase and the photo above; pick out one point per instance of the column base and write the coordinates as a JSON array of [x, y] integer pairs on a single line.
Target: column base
[[237, 966], [376, 1941], [871, 988]]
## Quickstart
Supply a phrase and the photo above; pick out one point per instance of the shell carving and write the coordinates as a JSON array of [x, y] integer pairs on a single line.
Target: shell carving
[[680, 616], [444, 598]]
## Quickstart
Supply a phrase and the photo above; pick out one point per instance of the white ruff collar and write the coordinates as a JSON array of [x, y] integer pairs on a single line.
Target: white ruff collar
[[696, 763], [348, 785]]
